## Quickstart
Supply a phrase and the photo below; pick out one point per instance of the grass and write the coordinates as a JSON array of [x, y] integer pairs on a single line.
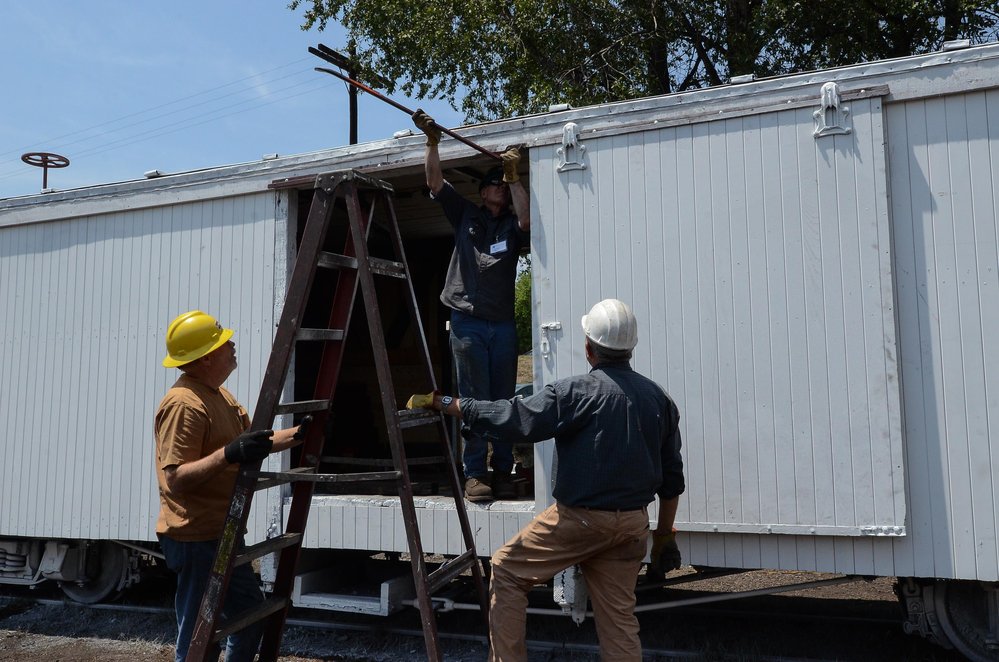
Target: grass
[[525, 369]]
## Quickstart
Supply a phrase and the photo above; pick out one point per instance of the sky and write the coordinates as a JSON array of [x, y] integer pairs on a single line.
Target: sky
[[121, 88]]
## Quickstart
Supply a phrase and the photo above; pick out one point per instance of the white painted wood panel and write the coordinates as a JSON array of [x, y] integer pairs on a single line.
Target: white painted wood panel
[[757, 260], [943, 177], [492, 524], [86, 303], [945, 170]]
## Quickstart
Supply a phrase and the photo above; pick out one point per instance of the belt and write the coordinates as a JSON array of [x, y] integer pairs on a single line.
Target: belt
[[613, 510]]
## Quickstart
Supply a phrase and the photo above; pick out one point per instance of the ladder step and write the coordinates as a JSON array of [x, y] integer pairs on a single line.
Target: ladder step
[[386, 267], [411, 418], [279, 478], [450, 570], [319, 334], [367, 476], [259, 613], [378, 265], [302, 407], [336, 261], [382, 461], [266, 547]]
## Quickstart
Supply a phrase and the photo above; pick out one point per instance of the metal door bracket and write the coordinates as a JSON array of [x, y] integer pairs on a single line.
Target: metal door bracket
[[570, 154], [830, 118]]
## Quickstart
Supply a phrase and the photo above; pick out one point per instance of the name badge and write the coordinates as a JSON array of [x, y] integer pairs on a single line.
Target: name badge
[[498, 247]]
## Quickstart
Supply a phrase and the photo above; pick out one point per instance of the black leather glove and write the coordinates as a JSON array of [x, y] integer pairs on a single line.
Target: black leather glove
[[665, 555], [303, 427], [249, 447]]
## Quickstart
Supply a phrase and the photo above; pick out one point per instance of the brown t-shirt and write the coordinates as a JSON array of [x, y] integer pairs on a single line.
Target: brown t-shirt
[[193, 421]]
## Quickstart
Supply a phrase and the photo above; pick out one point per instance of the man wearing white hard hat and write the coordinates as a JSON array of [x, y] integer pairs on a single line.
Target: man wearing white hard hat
[[617, 440]]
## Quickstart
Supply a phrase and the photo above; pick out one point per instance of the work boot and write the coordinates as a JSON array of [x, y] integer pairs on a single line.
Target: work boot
[[476, 490], [503, 487]]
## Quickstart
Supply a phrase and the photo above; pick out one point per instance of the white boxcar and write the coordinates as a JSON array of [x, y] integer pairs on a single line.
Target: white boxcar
[[813, 260]]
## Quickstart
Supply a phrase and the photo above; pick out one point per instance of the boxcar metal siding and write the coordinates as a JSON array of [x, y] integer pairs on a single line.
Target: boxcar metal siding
[[86, 302], [945, 170]]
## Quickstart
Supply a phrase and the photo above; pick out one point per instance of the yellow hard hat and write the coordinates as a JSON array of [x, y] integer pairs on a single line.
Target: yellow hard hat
[[191, 336]]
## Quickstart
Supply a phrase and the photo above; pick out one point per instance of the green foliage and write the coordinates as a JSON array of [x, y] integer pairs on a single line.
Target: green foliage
[[503, 58], [522, 308], [832, 34]]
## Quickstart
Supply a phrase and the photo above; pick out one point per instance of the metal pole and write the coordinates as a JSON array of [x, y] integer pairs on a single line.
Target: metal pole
[[352, 53], [353, 113]]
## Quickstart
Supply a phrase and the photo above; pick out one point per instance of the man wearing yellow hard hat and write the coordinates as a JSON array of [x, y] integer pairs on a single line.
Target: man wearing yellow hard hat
[[201, 439]]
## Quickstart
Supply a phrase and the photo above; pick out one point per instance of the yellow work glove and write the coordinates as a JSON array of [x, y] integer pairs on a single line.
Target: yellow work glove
[[421, 401], [665, 555], [511, 159], [427, 125]]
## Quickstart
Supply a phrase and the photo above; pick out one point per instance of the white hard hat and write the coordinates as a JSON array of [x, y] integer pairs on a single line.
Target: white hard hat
[[612, 325]]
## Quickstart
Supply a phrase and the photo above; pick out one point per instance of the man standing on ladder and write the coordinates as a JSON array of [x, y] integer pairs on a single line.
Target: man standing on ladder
[[479, 292], [201, 440], [617, 441]]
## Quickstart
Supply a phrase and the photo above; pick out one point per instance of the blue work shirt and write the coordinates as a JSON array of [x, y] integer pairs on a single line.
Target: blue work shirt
[[483, 268], [616, 434]]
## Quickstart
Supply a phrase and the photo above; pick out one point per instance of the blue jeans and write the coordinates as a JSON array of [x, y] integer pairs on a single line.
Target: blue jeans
[[485, 358], [192, 561]]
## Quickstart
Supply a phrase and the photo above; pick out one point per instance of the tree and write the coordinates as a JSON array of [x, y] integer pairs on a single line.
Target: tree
[[823, 35], [522, 308], [511, 57], [514, 56]]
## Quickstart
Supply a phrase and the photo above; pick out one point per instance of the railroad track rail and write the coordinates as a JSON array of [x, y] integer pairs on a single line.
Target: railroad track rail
[[558, 638]]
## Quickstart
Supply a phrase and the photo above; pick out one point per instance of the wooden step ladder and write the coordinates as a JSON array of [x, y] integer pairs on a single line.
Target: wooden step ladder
[[368, 201]]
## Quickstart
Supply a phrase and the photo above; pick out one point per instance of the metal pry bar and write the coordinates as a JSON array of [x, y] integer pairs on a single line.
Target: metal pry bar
[[392, 102]]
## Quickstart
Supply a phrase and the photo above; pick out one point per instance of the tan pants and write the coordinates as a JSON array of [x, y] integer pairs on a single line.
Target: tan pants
[[608, 546]]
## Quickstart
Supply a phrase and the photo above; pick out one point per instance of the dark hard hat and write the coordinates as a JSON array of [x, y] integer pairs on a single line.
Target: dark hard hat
[[493, 177]]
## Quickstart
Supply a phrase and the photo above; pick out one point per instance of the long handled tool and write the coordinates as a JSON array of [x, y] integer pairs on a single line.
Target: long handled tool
[[321, 52]]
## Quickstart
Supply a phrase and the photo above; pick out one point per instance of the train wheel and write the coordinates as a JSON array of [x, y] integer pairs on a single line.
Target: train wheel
[[968, 613], [107, 570]]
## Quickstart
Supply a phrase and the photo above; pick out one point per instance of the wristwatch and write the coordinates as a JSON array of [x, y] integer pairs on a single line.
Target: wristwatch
[[446, 401]]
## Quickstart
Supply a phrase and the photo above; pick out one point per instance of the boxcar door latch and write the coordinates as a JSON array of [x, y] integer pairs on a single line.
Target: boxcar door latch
[[546, 329]]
